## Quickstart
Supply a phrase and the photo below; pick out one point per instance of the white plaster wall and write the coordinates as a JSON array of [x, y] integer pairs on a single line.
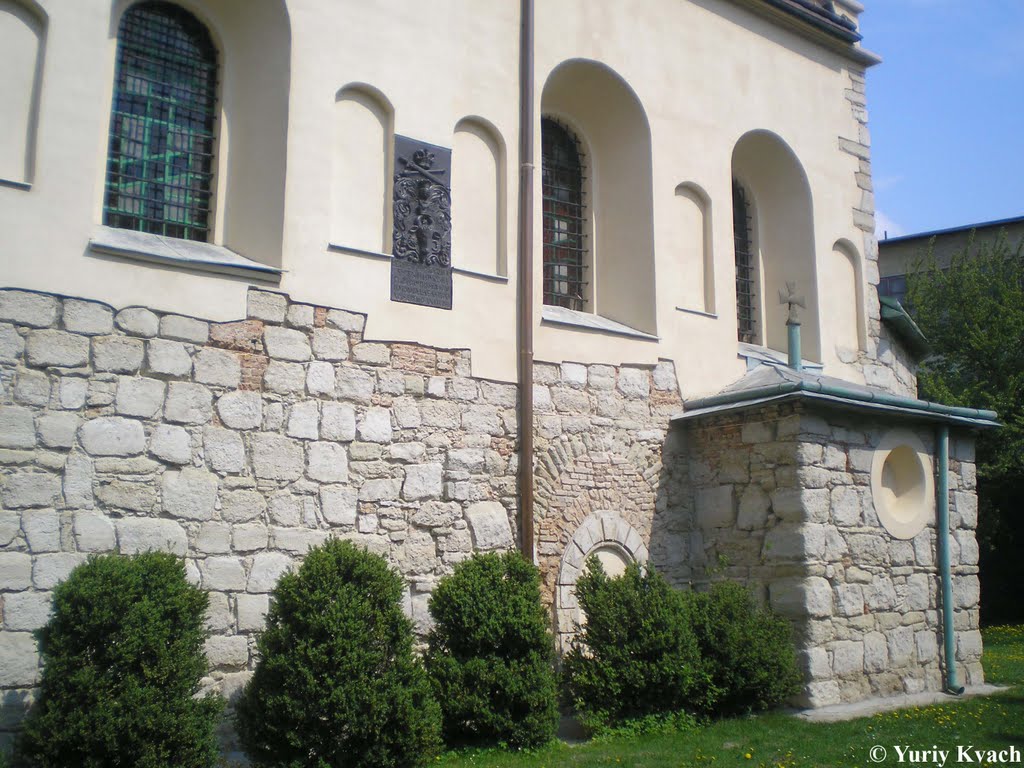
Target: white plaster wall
[[705, 72]]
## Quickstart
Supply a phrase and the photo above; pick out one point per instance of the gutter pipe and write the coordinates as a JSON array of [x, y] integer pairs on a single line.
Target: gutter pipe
[[525, 279], [942, 500]]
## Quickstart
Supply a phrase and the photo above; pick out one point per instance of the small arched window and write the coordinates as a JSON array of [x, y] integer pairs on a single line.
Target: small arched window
[[160, 163], [564, 218], [746, 295]]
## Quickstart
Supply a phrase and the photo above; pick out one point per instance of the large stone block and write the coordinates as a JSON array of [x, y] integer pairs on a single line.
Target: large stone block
[[138, 321], [267, 568], [799, 598], [188, 403], [354, 384], [227, 651], [422, 481], [284, 378], [223, 449], [26, 611], [117, 354], [184, 329], [375, 426], [338, 504], [50, 570], [242, 506], [32, 388], [218, 367], [15, 571], [753, 509], [241, 410], [56, 348], [127, 494], [250, 537], [11, 343], [287, 344], [169, 358], [58, 430], [338, 422], [94, 532], [190, 493], [143, 534], [847, 658], [25, 308], [304, 420], [327, 462], [77, 483], [17, 429], [139, 397], [171, 444], [267, 306], [634, 383], [716, 507], [847, 506], [320, 378], [29, 489], [222, 574], [252, 612], [488, 522], [19, 658], [275, 457]]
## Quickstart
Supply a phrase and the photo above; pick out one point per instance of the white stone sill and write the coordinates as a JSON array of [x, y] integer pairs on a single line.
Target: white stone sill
[[472, 273], [586, 321], [756, 355], [698, 312], [173, 252]]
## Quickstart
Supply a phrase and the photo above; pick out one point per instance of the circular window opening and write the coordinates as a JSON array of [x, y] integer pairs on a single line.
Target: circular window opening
[[902, 485]]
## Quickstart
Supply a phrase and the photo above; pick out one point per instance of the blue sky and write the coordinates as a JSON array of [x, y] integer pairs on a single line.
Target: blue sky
[[946, 111]]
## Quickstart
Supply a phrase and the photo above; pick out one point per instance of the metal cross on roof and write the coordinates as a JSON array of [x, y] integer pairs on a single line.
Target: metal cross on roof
[[790, 297]]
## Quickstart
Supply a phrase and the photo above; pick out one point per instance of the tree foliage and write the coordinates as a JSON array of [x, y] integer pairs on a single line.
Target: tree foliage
[[973, 315]]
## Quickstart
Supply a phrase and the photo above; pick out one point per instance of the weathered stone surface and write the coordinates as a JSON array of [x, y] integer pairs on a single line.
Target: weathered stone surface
[[188, 403], [252, 612], [142, 534], [250, 537], [802, 597], [88, 317], [277, 458], [50, 570], [267, 568], [171, 444], [19, 658], [346, 321], [439, 514], [222, 574], [29, 489], [716, 507], [10, 527], [753, 509], [264, 305], [125, 494], [300, 316], [139, 397], [338, 504], [240, 410], [26, 308], [169, 358], [375, 426], [190, 493], [184, 329], [847, 658], [284, 378], [112, 436], [371, 353], [320, 378], [117, 354], [94, 532], [846, 506], [304, 420], [11, 343], [77, 484], [42, 530], [327, 462], [634, 382], [329, 344], [56, 348], [218, 367], [223, 449], [381, 489], [138, 321], [242, 506], [17, 429], [213, 538], [227, 651], [489, 524], [354, 384], [287, 344], [422, 481], [26, 611], [338, 422], [15, 570]]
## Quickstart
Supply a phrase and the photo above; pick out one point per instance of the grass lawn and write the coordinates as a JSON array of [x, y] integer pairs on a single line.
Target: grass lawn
[[780, 741]]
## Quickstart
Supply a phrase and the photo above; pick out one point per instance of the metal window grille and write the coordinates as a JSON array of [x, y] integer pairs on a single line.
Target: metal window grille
[[160, 160], [564, 218], [745, 269]]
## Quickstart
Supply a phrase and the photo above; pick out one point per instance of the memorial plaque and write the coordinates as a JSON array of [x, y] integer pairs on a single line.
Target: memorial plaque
[[421, 267]]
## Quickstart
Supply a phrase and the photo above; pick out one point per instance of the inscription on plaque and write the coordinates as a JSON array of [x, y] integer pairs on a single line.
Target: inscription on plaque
[[421, 268]]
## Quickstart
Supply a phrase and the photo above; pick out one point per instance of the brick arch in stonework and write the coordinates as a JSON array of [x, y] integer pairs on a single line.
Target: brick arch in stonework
[[587, 497]]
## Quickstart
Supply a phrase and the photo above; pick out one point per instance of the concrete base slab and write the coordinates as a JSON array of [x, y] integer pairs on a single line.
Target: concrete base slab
[[840, 712]]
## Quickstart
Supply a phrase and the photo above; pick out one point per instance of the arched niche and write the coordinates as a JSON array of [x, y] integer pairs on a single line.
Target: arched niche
[[783, 237], [591, 99], [845, 299], [23, 31], [692, 241], [254, 47], [478, 197], [361, 161]]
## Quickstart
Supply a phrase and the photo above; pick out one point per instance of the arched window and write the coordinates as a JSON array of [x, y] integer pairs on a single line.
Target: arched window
[[564, 218], [746, 294], [160, 163]]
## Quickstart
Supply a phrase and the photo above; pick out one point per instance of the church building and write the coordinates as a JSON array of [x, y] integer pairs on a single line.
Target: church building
[[585, 277]]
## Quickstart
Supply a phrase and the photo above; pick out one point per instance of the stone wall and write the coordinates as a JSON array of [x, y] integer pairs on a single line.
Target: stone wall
[[237, 445], [783, 502]]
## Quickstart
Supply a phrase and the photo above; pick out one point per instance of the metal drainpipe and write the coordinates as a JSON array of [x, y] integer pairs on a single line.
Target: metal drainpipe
[[942, 500], [525, 279], [796, 361]]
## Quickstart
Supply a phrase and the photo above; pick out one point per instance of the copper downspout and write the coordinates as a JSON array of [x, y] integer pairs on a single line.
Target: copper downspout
[[525, 280]]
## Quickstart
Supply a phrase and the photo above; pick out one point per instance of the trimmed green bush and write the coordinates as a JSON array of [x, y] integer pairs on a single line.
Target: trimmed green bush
[[490, 654], [123, 657], [747, 650], [337, 683], [637, 654]]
